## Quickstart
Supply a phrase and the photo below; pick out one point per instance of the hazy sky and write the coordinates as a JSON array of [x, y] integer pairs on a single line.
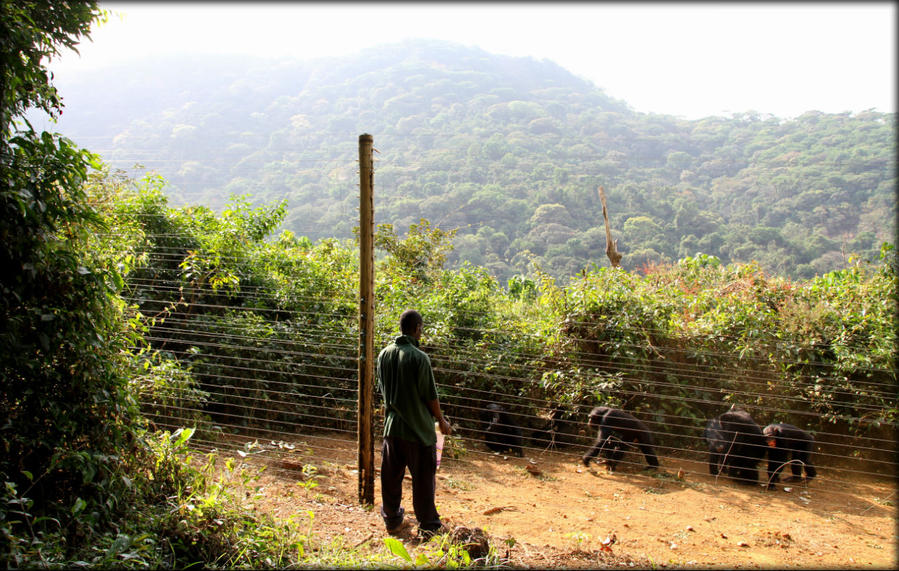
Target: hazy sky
[[691, 60]]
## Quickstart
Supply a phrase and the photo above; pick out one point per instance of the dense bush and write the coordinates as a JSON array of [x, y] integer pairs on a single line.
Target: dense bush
[[686, 339], [83, 483], [678, 341], [63, 329]]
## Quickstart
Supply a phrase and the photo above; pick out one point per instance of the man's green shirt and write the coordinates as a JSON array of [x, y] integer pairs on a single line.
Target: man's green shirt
[[407, 382]]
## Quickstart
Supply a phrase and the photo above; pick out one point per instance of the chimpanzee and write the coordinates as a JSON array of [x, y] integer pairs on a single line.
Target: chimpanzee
[[557, 430], [617, 429], [501, 433], [736, 445], [786, 441]]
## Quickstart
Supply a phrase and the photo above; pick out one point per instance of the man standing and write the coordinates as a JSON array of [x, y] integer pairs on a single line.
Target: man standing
[[407, 385]]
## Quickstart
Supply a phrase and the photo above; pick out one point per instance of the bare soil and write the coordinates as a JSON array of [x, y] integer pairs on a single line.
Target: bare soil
[[548, 510]]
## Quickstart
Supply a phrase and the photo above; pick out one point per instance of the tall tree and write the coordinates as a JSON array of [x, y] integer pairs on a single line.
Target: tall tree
[[31, 33], [61, 387]]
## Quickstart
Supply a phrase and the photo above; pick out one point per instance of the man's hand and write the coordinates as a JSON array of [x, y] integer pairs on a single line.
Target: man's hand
[[434, 407]]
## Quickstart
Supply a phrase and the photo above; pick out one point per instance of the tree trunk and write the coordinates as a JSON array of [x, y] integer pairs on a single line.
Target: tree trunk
[[611, 245]]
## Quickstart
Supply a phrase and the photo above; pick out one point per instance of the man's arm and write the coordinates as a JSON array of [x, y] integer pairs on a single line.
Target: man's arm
[[434, 407]]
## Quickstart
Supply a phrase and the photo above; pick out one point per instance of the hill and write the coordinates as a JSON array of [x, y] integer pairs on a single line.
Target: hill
[[509, 151]]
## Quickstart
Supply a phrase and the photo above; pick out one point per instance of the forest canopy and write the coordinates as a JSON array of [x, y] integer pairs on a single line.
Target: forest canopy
[[506, 151]]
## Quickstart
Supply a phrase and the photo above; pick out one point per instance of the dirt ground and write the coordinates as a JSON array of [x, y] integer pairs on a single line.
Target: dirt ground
[[554, 512]]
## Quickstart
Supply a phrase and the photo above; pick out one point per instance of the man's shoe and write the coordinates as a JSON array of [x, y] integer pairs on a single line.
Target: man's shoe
[[400, 525], [399, 528]]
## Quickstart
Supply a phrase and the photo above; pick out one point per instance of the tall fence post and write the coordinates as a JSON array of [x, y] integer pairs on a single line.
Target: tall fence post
[[366, 320]]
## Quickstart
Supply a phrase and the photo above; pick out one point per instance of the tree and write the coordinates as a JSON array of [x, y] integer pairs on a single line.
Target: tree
[[62, 343], [611, 245], [641, 229], [32, 32], [420, 256]]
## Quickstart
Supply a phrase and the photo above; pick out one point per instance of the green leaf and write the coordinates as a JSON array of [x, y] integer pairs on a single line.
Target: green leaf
[[181, 436], [397, 548]]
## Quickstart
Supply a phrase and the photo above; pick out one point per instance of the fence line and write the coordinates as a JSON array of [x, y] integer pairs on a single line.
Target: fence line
[[296, 379], [581, 356], [488, 396], [348, 349]]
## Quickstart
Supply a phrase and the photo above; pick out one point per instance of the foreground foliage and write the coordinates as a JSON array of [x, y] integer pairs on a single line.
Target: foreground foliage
[[63, 329], [171, 511]]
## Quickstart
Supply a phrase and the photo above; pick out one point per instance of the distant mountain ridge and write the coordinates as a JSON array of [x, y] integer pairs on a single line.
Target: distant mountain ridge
[[508, 150]]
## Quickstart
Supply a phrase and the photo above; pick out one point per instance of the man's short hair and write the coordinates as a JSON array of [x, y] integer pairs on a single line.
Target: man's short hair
[[409, 320]]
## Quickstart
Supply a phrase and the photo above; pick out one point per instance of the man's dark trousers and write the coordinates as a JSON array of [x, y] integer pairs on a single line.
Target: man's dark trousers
[[396, 455]]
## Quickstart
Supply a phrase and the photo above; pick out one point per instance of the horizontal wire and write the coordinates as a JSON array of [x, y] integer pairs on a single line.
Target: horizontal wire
[[157, 330], [205, 290], [638, 368], [223, 322], [354, 389], [200, 399], [243, 430], [675, 397], [636, 462], [271, 401], [687, 351], [221, 346], [854, 447], [449, 399], [350, 371], [473, 360], [642, 330], [494, 376], [217, 446], [647, 367], [693, 427], [201, 411]]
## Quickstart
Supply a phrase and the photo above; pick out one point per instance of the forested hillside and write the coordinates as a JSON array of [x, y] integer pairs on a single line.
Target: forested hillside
[[509, 151]]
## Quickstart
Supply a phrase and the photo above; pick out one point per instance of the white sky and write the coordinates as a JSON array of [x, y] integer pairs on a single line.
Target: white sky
[[691, 60]]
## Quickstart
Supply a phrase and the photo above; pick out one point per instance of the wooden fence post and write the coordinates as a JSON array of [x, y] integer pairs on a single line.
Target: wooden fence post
[[366, 321]]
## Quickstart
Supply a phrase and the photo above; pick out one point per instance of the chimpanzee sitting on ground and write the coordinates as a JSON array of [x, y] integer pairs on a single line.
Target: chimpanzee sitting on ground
[[786, 441], [736, 445], [617, 429], [501, 433]]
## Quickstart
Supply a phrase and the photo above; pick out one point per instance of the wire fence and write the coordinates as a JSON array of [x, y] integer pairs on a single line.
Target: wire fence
[[261, 380]]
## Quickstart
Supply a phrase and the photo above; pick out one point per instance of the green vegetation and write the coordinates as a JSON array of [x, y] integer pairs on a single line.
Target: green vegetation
[[122, 310], [507, 152], [823, 345]]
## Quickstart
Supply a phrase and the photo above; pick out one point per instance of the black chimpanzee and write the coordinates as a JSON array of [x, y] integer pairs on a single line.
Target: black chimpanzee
[[788, 444], [736, 445], [501, 433], [617, 429]]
